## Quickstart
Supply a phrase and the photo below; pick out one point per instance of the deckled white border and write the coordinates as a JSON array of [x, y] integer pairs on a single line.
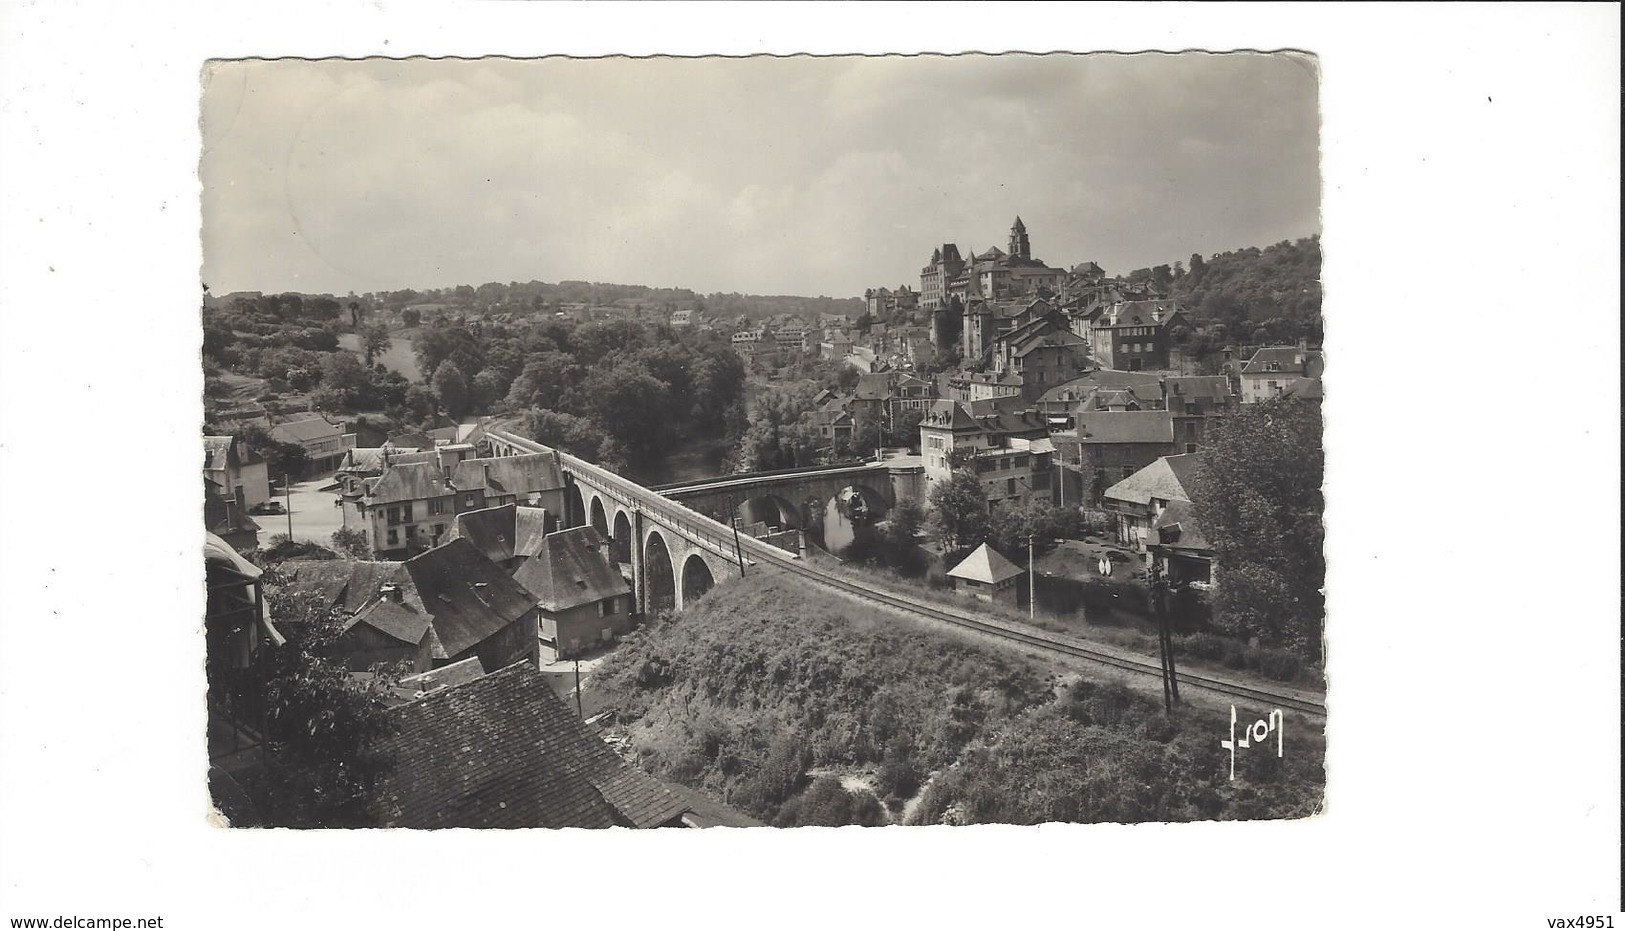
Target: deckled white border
[[1471, 240]]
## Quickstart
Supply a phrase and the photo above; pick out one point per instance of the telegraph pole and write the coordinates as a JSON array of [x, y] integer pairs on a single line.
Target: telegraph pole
[[733, 521], [578, 688], [287, 492], [1032, 583]]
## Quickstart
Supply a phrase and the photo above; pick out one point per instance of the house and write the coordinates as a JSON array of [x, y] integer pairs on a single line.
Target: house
[[1065, 398], [1272, 368], [404, 511], [502, 751], [834, 425], [534, 480], [1011, 453], [984, 386], [1138, 501], [1117, 443], [1042, 357], [241, 476], [885, 395], [476, 608], [410, 507], [225, 518], [682, 318], [1134, 335], [1176, 549], [507, 534], [1195, 401], [323, 442], [237, 632], [581, 595], [987, 576], [385, 621]]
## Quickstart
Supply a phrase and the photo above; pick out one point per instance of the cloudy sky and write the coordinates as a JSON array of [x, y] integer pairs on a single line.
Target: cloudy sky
[[769, 176]]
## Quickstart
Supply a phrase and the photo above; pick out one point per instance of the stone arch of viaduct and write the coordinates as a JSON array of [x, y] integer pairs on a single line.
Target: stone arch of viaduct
[[674, 558]]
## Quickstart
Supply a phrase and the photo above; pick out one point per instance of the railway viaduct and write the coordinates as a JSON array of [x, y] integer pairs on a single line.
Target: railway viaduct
[[679, 541]]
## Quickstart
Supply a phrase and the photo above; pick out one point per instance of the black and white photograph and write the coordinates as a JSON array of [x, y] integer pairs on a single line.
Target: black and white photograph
[[763, 441], [810, 465]]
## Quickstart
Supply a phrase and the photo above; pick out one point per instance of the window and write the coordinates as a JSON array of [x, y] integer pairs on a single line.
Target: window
[[394, 518], [394, 538], [406, 513], [606, 607], [1021, 462], [1009, 486], [439, 529], [1123, 348], [470, 500], [437, 505], [1190, 447]]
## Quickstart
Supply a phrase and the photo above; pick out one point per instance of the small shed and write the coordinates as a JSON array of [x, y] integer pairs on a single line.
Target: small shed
[[988, 576]]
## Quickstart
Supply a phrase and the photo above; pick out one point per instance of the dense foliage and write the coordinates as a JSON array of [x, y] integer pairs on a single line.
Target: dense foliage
[[766, 708], [324, 723], [1258, 500], [740, 697], [1259, 295]]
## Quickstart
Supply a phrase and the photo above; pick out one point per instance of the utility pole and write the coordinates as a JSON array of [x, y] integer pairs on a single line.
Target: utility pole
[[1032, 583], [287, 492], [733, 521], [578, 688]]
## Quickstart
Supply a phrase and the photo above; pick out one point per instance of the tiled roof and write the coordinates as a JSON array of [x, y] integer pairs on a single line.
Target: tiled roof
[[413, 441], [344, 583], [502, 532], [445, 677], [1125, 427], [398, 621], [985, 565], [510, 475], [300, 431], [469, 596], [571, 569], [504, 751], [1139, 313], [493, 753], [1065, 338], [1307, 388], [410, 481], [1284, 358], [1198, 386], [874, 386], [1177, 527], [1167, 478], [218, 450], [1078, 388]]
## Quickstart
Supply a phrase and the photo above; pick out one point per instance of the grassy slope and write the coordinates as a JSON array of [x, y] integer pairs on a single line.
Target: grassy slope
[[769, 677]]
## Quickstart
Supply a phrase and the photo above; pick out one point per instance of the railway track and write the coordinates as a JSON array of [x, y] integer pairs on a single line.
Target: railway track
[[1040, 641], [764, 554]]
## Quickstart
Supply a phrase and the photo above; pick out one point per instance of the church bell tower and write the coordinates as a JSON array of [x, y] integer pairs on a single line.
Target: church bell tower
[[1020, 246]]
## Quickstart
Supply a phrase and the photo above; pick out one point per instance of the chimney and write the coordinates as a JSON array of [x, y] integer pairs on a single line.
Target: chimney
[[390, 591]]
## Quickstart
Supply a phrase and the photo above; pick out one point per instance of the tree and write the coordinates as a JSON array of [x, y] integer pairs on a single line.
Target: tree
[[325, 725], [1012, 527], [451, 387], [544, 381], [575, 435], [351, 543], [375, 341], [959, 514], [1257, 499], [411, 317], [865, 321], [779, 433]]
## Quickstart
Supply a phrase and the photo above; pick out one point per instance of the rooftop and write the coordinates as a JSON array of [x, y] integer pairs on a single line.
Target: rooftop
[[571, 568], [984, 564]]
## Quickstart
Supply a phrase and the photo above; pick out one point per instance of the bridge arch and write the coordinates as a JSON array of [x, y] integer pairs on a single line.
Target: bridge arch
[[697, 577], [659, 579], [620, 541], [771, 510], [575, 504], [596, 516]]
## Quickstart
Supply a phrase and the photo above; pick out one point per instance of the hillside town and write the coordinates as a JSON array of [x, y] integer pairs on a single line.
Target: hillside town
[[456, 578]]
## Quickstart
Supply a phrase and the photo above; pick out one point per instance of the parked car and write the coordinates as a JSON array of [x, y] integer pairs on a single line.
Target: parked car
[[269, 507]]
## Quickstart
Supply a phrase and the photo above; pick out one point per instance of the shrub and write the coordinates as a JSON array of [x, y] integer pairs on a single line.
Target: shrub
[[1280, 664]]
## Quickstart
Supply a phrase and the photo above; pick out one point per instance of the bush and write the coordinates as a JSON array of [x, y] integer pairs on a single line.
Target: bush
[[1280, 665]]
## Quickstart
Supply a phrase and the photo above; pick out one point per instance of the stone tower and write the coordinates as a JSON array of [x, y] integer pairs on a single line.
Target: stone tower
[[1020, 246]]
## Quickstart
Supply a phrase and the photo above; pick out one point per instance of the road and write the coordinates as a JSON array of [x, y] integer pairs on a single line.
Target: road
[[314, 515]]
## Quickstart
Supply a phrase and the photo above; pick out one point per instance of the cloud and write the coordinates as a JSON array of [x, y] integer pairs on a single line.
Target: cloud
[[801, 175]]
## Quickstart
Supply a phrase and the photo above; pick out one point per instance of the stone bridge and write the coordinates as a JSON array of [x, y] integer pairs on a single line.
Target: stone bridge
[[678, 541], [801, 499]]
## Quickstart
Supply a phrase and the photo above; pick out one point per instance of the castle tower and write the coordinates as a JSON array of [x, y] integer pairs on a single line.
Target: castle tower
[[1020, 246]]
